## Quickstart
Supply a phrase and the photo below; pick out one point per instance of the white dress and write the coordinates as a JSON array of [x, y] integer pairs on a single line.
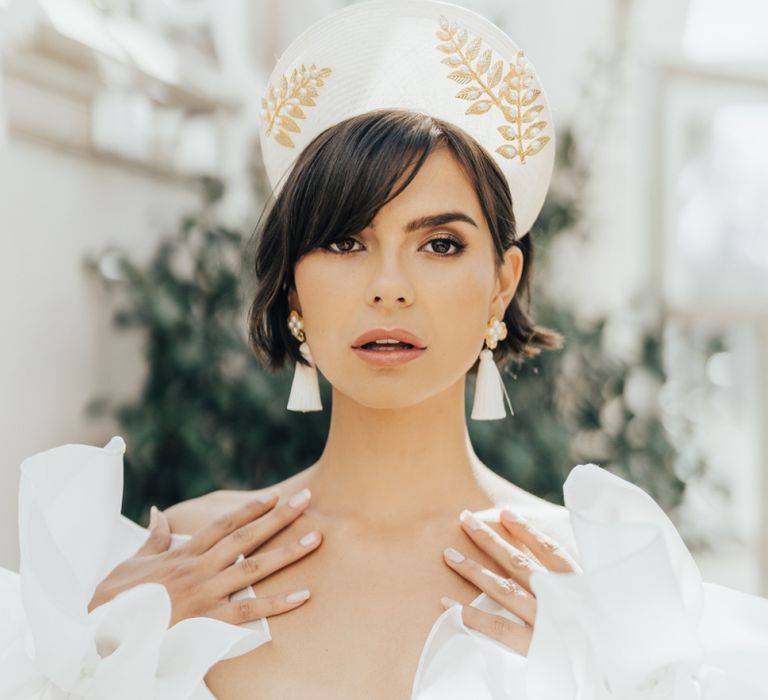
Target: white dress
[[637, 624]]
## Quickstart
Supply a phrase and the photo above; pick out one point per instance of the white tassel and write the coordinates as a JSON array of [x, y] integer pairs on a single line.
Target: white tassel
[[489, 401], [305, 390]]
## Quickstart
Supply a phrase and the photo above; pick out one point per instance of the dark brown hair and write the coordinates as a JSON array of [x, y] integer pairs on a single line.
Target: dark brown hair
[[338, 184]]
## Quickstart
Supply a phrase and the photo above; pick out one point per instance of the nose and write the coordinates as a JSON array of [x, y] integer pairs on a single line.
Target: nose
[[389, 286]]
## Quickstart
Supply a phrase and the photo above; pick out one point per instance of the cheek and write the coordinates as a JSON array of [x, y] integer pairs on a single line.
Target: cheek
[[330, 304], [458, 312]]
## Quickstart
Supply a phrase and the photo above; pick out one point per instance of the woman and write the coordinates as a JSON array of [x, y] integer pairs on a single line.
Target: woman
[[398, 466], [393, 227]]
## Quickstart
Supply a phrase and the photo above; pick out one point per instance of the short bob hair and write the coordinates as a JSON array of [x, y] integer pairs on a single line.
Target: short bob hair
[[339, 182]]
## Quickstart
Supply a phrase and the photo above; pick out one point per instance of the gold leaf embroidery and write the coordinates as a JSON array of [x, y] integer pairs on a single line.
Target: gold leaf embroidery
[[279, 111], [479, 107], [452, 61], [531, 96], [473, 49], [469, 93], [495, 75], [509, 133], [532, 113], [460, 77], [485, 61], [514, 91]]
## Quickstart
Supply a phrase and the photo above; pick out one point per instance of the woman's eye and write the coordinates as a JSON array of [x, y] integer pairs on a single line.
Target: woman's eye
[[341, 240], [442, 246]]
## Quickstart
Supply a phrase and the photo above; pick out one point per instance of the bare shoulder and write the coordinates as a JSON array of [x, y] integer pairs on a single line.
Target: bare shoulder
[[552, 519], [187, 517], [505, 494]]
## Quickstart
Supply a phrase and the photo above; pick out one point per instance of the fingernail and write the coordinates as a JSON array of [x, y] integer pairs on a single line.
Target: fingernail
[[152, 517], [297, 596], [448, 602], [469, 519], [512, 517], [299, 498], [453, 555], [266, 497], [309, 538]]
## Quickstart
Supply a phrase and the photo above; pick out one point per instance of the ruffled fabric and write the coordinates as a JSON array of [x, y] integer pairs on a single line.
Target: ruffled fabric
[[458, 662], [637, 624], [71, 535]]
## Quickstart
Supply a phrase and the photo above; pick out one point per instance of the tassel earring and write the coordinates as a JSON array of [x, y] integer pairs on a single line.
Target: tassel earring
[[305, 390], [489, 401]]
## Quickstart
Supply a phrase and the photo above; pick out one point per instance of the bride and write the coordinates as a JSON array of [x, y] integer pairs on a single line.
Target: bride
[[395, 259], [398, 467]]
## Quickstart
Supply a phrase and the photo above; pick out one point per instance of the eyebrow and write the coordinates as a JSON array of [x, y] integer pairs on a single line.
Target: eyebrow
[[432, 220]]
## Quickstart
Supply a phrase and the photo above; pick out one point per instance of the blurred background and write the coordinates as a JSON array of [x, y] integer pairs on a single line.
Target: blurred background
[[131, 184]]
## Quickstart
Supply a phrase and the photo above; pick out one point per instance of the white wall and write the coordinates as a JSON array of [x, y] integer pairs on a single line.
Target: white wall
[[58, 349]]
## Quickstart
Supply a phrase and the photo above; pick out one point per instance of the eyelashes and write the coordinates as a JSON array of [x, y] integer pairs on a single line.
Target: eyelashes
[[457, 245]]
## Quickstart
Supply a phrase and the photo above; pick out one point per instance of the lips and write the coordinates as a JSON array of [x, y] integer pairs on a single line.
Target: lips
[[381, 357], [382, 333]]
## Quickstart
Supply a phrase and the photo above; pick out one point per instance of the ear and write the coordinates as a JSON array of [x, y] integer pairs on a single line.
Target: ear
[[508, 277]]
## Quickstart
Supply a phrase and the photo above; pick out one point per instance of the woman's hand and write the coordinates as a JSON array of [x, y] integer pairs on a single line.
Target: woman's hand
[[201, 573], [512, 588]]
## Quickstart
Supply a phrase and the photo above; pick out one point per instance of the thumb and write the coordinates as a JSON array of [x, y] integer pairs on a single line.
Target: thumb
[[159, 533]]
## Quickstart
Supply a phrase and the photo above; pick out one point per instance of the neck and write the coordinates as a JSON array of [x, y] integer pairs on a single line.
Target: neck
[[390, 467]]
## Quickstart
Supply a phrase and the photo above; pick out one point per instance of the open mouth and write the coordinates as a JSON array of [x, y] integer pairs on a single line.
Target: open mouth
[[388, 353], [386, 347]]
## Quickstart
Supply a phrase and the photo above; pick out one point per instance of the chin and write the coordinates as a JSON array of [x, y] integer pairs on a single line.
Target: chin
[[397, 394]]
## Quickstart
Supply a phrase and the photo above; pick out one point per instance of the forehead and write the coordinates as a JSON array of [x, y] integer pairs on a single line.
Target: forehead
[[440, 185]]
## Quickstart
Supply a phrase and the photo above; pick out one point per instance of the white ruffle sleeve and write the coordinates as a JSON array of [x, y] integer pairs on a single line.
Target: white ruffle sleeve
[[71, 535], [637, 624]]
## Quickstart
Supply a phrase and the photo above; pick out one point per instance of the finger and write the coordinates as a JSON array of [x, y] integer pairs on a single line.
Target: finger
[[516, 636], [505, 591], [159, 538], [230, 521], [253, 534], [248, 609], [551, 554], [512, 560], [248, 570]]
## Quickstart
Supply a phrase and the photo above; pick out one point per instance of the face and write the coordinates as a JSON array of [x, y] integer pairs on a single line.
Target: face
[[437, 281]]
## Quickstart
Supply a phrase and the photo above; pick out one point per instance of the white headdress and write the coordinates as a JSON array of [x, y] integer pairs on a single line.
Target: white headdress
[[422, 55]]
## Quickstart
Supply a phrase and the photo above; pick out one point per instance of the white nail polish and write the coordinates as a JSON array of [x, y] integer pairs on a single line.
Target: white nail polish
[[512, 517], [453, 555], [265, 497], [297, 596], [467, 517], [309, 538], [299, 498]]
